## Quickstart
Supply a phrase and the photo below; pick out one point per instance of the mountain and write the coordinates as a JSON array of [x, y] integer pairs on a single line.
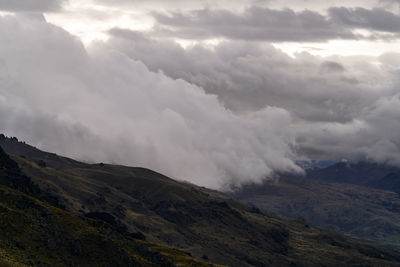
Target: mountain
[[360, 211], [35, 233], [380, 176], [138, 205]]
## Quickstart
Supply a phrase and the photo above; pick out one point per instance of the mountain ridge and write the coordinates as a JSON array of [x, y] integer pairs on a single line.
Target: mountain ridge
[[170, 213], [360, 211], [35, 233], [369, 174]]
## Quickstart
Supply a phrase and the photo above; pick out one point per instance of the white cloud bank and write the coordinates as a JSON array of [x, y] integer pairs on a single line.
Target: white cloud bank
[[103, 106], [137, 101], [341, 107]]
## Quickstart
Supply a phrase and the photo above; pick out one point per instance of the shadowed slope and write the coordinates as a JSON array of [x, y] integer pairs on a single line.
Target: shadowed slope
[[219, 230], [363, 212], [34, 233], [380, 176]]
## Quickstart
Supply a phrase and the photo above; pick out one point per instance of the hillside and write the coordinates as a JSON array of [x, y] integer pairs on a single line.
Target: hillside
[[360, 211], [34, 233], [147, 205], [380, 176]]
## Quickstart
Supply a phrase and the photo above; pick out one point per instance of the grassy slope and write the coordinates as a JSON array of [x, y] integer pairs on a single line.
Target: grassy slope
[[171, 213], [35, 233], [362, 212]]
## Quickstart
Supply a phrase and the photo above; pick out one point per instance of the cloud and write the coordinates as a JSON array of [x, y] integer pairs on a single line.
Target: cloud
[[389, 2], [216, 116], [336, 103], [376, 19], [247, 77], [175, 4], [31, 5], [371, 137], [280, 25], [100, 105], [255, 23]]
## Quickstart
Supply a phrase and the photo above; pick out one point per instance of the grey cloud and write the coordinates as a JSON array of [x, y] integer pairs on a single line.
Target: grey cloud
[[31, 5], [246, 77], [101, 105], [264, 24], [389, 2], [255, 23], [376, 19], [140, 101], [331, 66], [165, 4], [336, 102], [371, 137]]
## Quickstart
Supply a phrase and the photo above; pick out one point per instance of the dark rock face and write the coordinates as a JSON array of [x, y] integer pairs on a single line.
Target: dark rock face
[[41, 163], [6, 163], [13, 177], [103, 216], [137, 235], [114, 224]]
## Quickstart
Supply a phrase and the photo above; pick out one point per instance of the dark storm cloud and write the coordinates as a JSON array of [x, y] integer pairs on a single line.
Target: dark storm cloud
[[371, 19], [31, 5], [255, 23]]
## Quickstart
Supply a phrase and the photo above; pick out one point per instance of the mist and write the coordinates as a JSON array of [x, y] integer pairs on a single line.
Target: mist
[[218, 116], [100, 105], [341, 107]]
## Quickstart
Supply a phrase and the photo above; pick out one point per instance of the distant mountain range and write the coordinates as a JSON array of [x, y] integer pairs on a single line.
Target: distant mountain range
[[57, 211], [380, 176], [360, 199]]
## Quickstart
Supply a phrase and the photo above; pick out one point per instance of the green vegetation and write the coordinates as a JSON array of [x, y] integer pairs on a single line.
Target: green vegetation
[[115, 203], [34, 233]]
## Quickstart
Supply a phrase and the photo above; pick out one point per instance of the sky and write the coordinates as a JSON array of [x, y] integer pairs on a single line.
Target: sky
[[212, 92]]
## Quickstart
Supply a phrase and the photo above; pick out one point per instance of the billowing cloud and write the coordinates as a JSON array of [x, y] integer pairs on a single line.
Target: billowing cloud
[[31, 5], [214, 115], [371, 137], [247, 77], [342, 106], [100, 105]]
